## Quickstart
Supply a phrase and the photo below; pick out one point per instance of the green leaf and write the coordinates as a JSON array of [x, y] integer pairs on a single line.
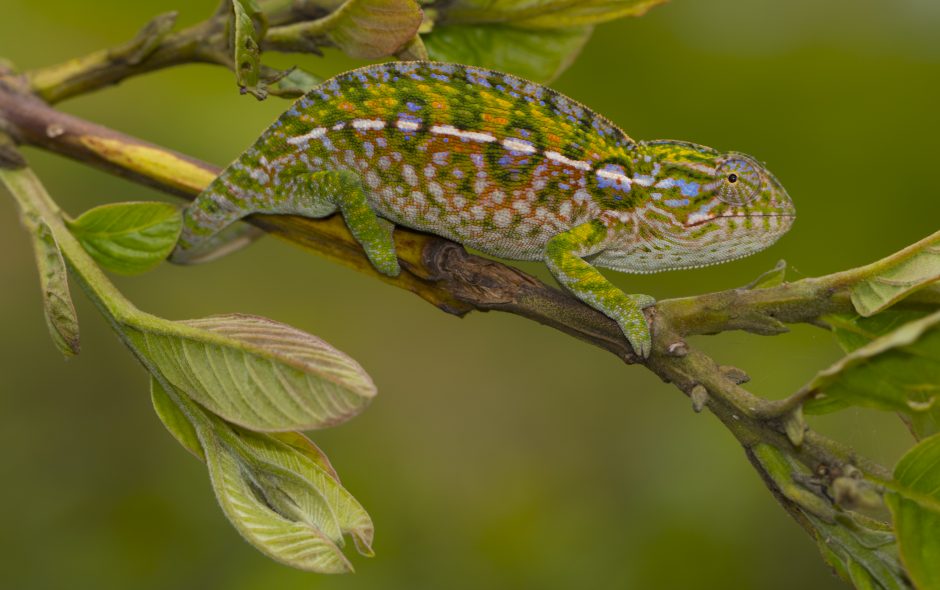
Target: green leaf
[[853, 331], [255, 372], [370, 29], [535, 55], [128, 238], [898, 276], [293, 83], [61, 318], [771, 278], [549, 14], [899, 371], [915, 506], [250, 503], [248, 28], [861, 551], [287, 479]]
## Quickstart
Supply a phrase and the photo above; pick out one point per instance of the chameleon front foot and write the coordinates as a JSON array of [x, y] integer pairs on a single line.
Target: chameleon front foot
[[633, 323]]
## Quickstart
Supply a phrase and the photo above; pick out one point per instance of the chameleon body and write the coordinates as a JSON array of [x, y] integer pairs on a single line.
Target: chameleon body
[[500, 164]]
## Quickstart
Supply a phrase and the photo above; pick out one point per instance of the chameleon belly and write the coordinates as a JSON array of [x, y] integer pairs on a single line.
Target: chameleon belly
[[489, 160]]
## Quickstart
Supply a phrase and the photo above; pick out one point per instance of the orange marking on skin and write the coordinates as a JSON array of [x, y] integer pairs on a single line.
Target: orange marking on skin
[[347, 106]]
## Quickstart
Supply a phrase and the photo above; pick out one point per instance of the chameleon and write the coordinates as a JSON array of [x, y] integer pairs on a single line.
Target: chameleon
[[497, 163]]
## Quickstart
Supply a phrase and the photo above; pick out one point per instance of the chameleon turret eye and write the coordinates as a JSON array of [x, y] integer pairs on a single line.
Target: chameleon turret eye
[[741, 182]]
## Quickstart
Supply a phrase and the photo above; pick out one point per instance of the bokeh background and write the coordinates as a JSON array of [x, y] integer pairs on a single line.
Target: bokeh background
[[499, 453]]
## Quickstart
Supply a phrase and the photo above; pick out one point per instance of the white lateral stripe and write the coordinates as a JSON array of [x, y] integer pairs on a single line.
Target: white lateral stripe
[[407, 125], [518, 145], [611, 175], [363, 124], [315, 134], [451, 130], [573, 163]]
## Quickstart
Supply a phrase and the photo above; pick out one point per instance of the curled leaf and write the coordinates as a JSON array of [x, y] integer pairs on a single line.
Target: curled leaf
[[255, 372], [898, 276], [294, 509], [248, 28], [61, 318], [128, 238]]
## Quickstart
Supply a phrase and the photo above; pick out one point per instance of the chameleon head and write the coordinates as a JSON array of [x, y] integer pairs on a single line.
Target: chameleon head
[[703, 207]]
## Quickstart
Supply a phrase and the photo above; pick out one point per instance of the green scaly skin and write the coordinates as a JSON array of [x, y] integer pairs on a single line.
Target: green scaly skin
[[500, 164]]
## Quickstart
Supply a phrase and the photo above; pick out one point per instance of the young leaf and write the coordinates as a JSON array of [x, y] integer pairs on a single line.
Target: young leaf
[[248, 26], [57, 301], [286, 469], [370, 29], [899, 372], [128, 238], [915, 505], [255, 372], [860, 551], [905, 272], [770, 278], [249, 505], [535, 55]]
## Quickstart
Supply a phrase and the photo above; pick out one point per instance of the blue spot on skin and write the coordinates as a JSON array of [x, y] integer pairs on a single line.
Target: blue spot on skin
[[676, 202], [564, 186], [524, 132], [413, 107], [477, 159], [689, 189], [440, 77], [381, 141], [505, 160], [368, 149], [410, 118], [656, 196], [440, 158], [458, 173]]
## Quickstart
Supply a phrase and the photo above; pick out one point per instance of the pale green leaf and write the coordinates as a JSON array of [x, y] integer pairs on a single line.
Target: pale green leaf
[[175, 420], [128, 238], [61, 318], [544, 13], [370, 29], [250, 507], [256, 372], [898, 276], [539, 55], [184, 433], [915, 504], [287, 470], [899, 372], [248, 28]]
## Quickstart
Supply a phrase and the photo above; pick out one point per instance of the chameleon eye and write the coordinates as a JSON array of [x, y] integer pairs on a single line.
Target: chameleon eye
[[741, 182]]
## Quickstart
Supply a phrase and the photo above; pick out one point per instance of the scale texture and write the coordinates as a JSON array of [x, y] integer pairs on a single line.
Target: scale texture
[[500, 164]]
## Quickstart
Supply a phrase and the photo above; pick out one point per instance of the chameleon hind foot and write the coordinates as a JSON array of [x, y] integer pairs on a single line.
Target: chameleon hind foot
[[344, 188]]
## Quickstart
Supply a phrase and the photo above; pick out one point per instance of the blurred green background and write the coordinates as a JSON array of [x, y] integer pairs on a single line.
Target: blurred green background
[[499, 453]]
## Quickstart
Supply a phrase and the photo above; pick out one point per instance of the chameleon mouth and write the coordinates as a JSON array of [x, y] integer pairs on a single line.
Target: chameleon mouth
[[738, 216]]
